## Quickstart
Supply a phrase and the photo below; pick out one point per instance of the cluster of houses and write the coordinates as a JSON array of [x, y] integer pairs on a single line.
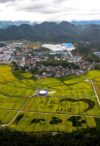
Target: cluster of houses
[[5, 54], [11, 52], [31, 59], [60, 71]]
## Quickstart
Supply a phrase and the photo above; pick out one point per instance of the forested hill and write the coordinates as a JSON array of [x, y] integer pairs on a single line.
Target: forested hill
[[51, 32]]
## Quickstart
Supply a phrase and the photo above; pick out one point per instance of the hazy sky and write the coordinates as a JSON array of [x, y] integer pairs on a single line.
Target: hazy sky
[[49, 10]]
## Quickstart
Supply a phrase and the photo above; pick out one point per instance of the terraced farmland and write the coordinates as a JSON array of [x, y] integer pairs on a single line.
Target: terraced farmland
[[73, 102]]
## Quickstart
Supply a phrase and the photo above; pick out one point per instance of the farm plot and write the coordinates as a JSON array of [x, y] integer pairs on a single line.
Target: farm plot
[[71, 104], [6, 116], [33, 122]]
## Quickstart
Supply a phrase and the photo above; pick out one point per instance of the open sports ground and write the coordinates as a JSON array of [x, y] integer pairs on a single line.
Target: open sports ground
[[72, 102]]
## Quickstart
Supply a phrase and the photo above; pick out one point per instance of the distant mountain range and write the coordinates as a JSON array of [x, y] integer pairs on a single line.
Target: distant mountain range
[[51, 31], [6, 24], [86, 22]]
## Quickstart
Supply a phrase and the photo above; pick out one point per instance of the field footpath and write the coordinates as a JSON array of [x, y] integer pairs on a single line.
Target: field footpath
[[21, 108], [19, 111], [15, 116], [95, 92]]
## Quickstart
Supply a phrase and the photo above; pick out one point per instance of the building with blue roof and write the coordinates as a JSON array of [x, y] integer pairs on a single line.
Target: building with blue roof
[[69, 46]]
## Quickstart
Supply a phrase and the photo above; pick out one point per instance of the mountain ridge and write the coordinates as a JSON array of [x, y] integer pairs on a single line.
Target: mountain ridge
[[51, 31]]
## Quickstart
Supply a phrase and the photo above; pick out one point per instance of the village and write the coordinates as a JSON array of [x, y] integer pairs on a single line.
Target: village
[[45, 60]]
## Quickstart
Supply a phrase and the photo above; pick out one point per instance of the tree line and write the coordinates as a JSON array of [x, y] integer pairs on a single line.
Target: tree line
[[82, 137]]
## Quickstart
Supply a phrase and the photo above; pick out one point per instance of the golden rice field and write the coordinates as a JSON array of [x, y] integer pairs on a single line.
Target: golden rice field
[[72, 105]]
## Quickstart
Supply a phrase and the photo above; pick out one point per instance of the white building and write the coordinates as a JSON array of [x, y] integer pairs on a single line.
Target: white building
[[59, 47]]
